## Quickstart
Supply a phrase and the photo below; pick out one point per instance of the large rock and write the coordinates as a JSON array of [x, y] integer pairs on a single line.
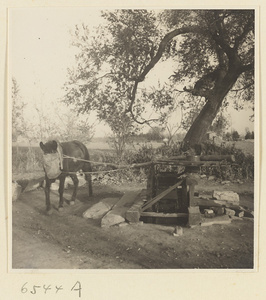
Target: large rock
[[33, 184], [226, 196], [118, 213], [98, 210]]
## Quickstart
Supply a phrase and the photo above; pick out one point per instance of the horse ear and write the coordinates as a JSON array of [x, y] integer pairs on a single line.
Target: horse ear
[[54, 143], [42, 146]]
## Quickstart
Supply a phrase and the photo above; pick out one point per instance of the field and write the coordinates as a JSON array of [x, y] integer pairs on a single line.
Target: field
[[65, 240]]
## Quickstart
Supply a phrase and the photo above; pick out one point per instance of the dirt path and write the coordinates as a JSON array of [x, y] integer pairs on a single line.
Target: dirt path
[[65, 240]]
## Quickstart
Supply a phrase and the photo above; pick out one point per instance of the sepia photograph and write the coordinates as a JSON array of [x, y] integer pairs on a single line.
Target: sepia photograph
[[133, 139]]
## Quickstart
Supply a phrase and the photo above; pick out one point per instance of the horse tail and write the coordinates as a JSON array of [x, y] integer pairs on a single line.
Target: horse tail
[[87, 155], [87, 165]]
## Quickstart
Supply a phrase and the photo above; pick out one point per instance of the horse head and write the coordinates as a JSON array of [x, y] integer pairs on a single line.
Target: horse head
[[49, 147]]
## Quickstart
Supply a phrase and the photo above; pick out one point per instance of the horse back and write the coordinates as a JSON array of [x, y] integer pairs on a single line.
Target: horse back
[[77, 150]]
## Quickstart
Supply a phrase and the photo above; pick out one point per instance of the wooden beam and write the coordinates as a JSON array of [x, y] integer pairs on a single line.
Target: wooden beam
[[205, 202], [160, 196], [163, 215], [229, 158]]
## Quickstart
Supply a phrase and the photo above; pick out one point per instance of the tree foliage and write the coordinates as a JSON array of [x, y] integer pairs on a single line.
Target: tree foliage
[[17, 111], [235, 135], [212, 50]]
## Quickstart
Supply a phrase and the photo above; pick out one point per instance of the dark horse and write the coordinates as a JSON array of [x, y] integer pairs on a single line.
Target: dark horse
[[80, 155]]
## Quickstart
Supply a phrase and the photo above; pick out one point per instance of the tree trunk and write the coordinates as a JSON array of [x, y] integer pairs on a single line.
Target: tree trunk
[[202, 123]]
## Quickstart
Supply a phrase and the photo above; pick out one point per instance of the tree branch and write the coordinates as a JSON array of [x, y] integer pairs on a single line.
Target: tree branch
[[95, 79], [167, 38], [243, 88], [246, 68], [142, 122], [247, 28]]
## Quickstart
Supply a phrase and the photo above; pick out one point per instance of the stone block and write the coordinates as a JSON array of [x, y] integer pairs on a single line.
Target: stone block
[[225, 182], [208, 211], [229, 212], [111, 219], [100, 209], [133, 216], [221, 220], [178, 231], [123, 224], [194, 216], [118, 212], [33, 184], [227, 196], [219, 211], [240, 214]]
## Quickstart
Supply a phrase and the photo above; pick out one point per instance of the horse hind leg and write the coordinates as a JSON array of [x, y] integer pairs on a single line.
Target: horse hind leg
[[61, 192], [86, 169], [76, 183]]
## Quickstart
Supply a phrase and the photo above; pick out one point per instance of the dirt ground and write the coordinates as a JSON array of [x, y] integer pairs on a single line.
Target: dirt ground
[[65, 240]]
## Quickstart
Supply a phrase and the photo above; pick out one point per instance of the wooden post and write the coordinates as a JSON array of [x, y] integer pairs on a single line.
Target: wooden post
[[150, 181], [194, 216]]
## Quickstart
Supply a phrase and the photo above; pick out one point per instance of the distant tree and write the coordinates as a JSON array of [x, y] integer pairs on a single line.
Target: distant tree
[[74, 127], [248, 135], [155, 134], [252, 135], [123, 130], [228, 136], [235, 135]]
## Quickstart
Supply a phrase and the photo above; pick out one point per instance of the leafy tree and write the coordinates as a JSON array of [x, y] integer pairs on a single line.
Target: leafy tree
[[155, 134], [249, 135], [235, 135], [73, 127], [228, 136], [123, 131], [17, 111], [252, 135], [213, 51]]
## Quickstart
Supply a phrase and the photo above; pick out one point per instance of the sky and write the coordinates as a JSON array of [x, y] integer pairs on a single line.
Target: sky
[[40, 52]]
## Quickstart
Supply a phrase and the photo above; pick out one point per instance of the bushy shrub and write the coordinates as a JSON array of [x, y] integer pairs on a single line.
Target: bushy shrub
[[26, 159], [242, 168]]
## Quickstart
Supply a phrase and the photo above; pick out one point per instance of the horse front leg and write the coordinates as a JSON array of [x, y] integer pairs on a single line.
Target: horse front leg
[[76, 183], [61, 192], [47, 195]]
